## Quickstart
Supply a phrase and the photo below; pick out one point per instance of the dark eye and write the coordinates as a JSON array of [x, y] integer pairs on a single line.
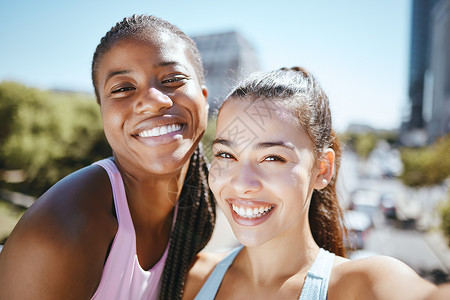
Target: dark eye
[[123, 89], [275, 158], [224, 155], [174, 79]]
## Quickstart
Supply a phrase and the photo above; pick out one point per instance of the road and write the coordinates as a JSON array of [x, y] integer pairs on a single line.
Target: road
[[403, 239], [407, 245]]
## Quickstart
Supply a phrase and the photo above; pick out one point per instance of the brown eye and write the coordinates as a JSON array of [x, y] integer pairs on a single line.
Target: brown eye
[[224, 155], [175, 79], [275, 158], [122, 89]]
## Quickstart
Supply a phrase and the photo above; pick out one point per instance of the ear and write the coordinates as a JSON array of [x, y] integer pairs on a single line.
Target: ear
[[326, 169], [205, 94], [204, 91]]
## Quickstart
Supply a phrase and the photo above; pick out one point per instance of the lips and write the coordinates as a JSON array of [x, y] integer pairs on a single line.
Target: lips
[[160, 130], [250, 212]]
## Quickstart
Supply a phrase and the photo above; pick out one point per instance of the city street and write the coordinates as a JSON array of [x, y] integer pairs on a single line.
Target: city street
[[407, 237], [407, 245]]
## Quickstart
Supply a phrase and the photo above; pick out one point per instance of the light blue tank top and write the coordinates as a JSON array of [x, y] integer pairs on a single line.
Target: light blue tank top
[[316, 282]]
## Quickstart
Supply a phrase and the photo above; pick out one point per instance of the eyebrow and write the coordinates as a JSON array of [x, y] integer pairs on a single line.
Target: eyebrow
[[115, 73], [166, 63], [262, 145], [121, 72]]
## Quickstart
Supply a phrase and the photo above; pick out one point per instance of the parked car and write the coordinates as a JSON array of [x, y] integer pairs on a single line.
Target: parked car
[[365, 200], [388, 206], [358, 225]]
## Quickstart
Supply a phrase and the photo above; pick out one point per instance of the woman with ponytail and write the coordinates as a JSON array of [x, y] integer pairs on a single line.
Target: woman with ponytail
[[127, 227], [273, 174]]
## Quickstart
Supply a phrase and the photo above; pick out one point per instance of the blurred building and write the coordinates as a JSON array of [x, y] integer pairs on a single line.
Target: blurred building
[[227, 58], [437, 77], [429, 71]]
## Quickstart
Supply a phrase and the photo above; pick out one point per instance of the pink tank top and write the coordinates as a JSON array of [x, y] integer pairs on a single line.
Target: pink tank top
[[123, 278]]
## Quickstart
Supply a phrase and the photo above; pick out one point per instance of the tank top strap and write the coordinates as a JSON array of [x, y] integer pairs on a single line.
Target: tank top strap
[[118, 189], [317, 279], [211, 286]]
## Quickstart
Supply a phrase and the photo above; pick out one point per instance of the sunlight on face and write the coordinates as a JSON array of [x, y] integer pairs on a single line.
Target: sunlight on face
[[262, 171], [153, 105]]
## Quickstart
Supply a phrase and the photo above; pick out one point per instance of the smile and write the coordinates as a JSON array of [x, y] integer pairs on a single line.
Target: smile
[[160, 130], [256, 212]]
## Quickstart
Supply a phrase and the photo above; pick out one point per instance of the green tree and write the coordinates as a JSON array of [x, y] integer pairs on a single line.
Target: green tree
[[48, 134], [208, 137], [361, 143], [444, 211], [365, 143], [426, 166]]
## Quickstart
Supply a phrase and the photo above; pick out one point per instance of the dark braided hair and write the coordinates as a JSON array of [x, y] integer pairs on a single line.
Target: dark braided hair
[[193, 227], [300, 92], [196, 208]]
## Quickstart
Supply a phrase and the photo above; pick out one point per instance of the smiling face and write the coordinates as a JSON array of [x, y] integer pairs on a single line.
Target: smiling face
[[263, 171], [152, 104]]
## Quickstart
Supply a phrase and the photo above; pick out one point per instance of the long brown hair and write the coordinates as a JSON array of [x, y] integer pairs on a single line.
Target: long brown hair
[[299, 91]]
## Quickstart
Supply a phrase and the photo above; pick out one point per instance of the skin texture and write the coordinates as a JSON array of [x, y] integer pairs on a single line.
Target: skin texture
[[251, 169], [59, 247], [442, 292]]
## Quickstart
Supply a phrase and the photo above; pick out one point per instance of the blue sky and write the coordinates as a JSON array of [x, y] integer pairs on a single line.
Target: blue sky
[[358, 49]]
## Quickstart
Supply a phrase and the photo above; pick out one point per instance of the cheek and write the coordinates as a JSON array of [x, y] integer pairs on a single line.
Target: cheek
[[294, 183], [112, 123], [200, 114], [214, 179], [194, 99], [219, 177]]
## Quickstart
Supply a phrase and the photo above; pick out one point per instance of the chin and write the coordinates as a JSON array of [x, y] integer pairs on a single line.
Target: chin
[[168, 167], [250, 239]]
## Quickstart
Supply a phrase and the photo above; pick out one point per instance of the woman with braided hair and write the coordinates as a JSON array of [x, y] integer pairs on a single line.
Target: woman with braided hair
[[273, 174], [126, 227]]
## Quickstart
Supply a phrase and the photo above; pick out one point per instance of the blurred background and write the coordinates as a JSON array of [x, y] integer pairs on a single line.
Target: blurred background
[[384, 64]]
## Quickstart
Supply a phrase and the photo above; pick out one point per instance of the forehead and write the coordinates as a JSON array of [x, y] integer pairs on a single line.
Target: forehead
[[156, 47], [260, 114], [246, 122]]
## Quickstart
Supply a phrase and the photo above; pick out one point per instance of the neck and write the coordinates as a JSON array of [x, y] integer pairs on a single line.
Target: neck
[[280, 258], [151, 199]]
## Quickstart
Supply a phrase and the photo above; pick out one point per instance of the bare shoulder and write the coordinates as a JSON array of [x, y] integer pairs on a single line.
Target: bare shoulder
[[204, 264], [442, 292], [70, 227], [377, 277]]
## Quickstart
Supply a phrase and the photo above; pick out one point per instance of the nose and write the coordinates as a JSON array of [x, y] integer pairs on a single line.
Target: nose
[[246, 180], [152, 101]]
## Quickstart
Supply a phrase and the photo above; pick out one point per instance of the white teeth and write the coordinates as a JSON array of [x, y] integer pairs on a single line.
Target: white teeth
[[251, 213], [161, 130], [241, 211]]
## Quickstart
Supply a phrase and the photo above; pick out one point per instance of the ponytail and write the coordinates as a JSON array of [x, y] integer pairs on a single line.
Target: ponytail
[[325, 213]]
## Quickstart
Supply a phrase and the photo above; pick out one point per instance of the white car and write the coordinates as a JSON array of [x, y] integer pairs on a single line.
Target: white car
[[358, 226]]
